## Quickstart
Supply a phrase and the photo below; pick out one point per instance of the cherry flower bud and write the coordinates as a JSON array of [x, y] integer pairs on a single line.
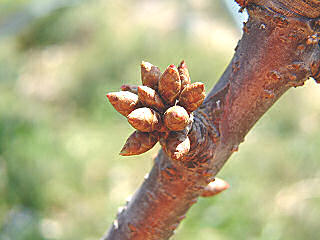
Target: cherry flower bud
[[150, 75], [176, 145], [124, 102], [184, 74], [170, 84], [192, 96], [145, 120], [150, 98], [176, 118], [139, 142]]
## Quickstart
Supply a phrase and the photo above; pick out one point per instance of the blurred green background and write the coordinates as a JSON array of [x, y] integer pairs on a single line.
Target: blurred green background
[[60, 173]]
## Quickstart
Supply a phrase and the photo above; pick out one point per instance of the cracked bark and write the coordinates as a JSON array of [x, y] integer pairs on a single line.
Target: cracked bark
[[278, 50]]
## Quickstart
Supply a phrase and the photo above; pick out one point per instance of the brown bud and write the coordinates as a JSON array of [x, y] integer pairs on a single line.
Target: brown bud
[[124, 102], [170, 84], [215, 187], [192, 96], [145, 120], [150, 75], [176, 118], [129, 88], [139, 142], [176, 145], [150, 98], [184, 74]]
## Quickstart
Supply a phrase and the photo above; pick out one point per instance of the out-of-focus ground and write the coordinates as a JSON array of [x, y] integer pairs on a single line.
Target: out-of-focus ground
[[60, 173]]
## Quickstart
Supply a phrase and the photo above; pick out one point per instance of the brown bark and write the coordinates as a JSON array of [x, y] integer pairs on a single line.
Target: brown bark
[[279, 50]]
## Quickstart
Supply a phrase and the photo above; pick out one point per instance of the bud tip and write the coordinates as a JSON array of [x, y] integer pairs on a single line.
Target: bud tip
[[110, 96], [146, 65], [123, 152], [183, 64]]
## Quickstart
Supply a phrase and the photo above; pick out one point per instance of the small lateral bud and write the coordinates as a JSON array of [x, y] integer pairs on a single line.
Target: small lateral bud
[[150, 75], [192, 96], [124, 102], [215, 187], [150, 98], [184, 74], [170, 84], [139, 142], [176, 145], [129, 88], [176, 118], [145, 120]]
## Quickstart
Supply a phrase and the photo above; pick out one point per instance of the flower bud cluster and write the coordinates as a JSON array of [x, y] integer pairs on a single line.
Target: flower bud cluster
[[161, 109]]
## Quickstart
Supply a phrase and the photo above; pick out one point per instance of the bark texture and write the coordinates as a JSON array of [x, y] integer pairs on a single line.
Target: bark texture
[[279, 50]]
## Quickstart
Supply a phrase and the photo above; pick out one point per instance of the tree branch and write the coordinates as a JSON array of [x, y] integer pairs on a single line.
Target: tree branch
[[279, 49]]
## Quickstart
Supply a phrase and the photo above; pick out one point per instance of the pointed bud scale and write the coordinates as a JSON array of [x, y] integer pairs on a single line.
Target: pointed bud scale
[[124, 102], [139, 142], [150, 75], [145, 120], [184, 74], [176, 118], [170, 84], [129, 88], [215, 187], [192, 96], [177, 145], [150, 98]]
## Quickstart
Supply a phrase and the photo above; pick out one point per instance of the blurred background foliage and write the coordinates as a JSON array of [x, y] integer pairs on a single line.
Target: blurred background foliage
[[60, 173]]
